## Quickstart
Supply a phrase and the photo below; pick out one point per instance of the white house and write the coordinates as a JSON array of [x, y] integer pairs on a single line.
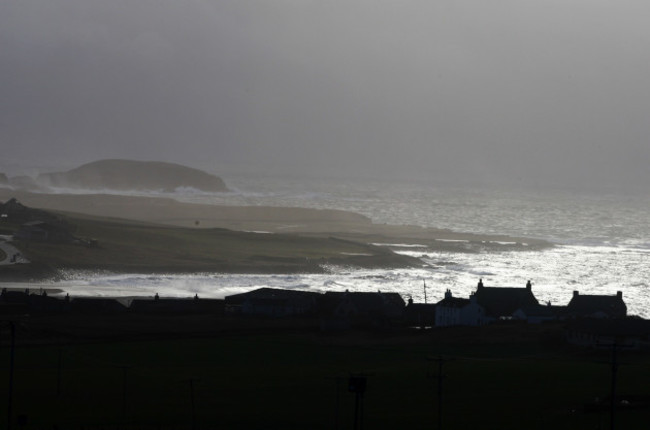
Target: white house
[[454, 311]]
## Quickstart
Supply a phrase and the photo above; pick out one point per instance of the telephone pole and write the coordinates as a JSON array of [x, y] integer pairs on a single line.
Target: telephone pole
[[616, 346], [12, 331], [441, 361], [357, 385], [425, 292]]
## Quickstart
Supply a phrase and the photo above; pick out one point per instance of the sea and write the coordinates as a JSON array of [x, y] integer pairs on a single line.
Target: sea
[[601, 242]]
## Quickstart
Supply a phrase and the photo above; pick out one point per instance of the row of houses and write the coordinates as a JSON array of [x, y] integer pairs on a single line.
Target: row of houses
[[488, 304], [484, 306], [591, 319], [28, 302]]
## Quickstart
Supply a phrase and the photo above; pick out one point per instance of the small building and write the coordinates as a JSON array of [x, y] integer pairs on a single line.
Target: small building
[[272, 302], [360, 309], [455, 311], [596, 306], [503, 302], [31, 302], [419, 314]]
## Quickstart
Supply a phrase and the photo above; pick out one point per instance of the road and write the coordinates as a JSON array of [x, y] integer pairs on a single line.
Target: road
[[11, 252]]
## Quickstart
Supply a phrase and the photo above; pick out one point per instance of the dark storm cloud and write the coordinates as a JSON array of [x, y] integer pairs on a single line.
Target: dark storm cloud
[[539, 93]]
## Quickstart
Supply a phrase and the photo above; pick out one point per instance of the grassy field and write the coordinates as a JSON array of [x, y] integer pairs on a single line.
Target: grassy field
[[298, 380], [129, 246]]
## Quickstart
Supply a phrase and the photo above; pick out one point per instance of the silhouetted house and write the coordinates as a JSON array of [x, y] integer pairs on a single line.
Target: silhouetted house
[[596, 306], [26, 302], [360, 309], [272, 302], [14, 302], [419, 314], [501, 303], [42, 303], [536, 314], [41, 231], [177, 306], [455, 311], [97, 305], [603, 333]]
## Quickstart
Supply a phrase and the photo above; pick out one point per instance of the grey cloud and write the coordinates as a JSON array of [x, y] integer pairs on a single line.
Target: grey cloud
[[538, 93]]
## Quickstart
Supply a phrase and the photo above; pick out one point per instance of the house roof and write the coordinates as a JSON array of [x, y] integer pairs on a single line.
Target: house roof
[[420, 309], [364, 301], [269, 294], [504, 301], [453, 302], [585, 305]]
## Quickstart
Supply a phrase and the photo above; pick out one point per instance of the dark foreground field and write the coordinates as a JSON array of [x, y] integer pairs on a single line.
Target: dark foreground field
[[213, 373]]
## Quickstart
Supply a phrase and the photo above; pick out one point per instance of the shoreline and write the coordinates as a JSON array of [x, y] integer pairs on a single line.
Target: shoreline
[[229, 239]]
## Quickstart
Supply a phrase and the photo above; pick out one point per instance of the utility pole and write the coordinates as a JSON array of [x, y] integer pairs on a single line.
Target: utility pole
[[441, 361], [124, 374], [58, 373], [357, 385], [193, 404], [612, 394], [425, 291], [12, 330]]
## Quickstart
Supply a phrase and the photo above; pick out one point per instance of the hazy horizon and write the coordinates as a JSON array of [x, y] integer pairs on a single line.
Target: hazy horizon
[[540, 94]]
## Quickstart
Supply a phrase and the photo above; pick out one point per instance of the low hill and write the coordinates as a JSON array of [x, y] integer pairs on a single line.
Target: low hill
[[133, 175]]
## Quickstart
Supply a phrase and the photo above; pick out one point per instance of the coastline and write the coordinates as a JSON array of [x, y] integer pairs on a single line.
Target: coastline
[[229, 239]]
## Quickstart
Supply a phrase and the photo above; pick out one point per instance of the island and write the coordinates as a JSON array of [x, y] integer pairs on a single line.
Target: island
[[133, 175]]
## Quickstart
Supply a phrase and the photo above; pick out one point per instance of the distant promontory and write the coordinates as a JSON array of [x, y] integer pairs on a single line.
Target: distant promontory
[[133, 175]]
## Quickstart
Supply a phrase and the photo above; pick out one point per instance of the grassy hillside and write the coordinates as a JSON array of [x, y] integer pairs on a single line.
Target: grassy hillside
[[129, 246]]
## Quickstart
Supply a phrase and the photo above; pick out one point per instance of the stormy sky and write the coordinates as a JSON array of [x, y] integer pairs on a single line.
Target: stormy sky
[[534, 93]]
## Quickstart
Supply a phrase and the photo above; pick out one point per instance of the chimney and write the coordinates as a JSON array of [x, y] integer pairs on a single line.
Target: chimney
[[448, 294], [619, 295], [576, 294]]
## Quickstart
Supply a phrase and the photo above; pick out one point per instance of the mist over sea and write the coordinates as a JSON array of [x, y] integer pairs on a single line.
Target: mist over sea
[[602, 242]]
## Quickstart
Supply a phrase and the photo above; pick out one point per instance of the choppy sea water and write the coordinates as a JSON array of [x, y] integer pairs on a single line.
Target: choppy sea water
[[602, 243]]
